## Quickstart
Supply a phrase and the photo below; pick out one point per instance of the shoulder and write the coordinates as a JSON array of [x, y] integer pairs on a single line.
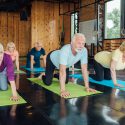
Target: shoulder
[[7, 52], [42, 49], [32, 50], [66, 47], [84, 49], [116, 52], [7, 56], [15, 52]]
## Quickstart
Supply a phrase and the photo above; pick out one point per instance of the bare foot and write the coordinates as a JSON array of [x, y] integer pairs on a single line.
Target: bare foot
[[40, 76]]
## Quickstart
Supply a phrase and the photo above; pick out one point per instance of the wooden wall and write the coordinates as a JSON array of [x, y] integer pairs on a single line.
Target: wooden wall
[[12, 29], [111, 45], [45, 25], [87, 13]]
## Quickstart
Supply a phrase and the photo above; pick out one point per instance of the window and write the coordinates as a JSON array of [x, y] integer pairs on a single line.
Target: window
[[74, 24], [112, 19]]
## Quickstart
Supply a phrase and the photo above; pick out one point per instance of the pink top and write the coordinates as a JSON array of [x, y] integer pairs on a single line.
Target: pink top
[[13, 54]]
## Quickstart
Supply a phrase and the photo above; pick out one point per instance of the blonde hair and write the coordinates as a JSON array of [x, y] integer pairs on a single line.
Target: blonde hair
[[10, 44], [122, 47], [78, 35], [1, 48]]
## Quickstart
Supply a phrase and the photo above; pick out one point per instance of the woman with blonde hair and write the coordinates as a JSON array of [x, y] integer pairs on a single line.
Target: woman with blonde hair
[[11, 50], [7, 73], [106, 63]]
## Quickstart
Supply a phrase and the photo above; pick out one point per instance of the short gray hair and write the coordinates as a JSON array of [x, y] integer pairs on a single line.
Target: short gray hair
[[78, 35], [1, 48]]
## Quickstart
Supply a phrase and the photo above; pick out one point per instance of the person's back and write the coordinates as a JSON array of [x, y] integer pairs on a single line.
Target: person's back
[[104, 58], [64, 56]]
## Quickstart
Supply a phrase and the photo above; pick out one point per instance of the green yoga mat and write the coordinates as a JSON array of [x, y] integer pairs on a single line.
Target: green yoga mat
[[74, 89], [19, 72], [5, 98]]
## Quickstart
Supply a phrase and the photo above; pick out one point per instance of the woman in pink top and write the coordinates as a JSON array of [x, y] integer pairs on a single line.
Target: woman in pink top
[[11, 50]]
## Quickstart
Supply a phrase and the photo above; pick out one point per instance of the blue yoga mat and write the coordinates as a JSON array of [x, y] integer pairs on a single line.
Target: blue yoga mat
[[108, 83], [41, 69]]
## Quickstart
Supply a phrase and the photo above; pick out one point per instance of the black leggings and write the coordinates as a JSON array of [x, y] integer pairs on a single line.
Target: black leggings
[[47, 79], [101, 72]]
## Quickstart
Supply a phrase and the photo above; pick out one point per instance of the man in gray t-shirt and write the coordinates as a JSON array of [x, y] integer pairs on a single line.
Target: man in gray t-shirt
[[62, 59]]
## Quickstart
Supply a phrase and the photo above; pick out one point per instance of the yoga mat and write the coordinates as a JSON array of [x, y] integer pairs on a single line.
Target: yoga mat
[[5, 98], [41, 69], [19, 72], [108, 83], [74, 89]]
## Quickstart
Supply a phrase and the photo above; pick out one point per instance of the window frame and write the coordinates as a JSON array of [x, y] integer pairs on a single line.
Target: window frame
[[105, 21]]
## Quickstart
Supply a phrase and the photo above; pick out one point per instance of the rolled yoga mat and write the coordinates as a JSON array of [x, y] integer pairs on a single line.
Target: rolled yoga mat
[[74, 89]]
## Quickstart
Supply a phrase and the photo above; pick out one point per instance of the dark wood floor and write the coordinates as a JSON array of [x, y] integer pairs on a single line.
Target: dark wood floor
[[45, 108]]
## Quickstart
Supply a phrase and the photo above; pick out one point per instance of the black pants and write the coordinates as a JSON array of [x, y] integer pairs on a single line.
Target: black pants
[[101, 73], [49, 73]]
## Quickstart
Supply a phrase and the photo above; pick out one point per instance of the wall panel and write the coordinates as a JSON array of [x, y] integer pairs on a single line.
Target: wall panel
[[12, 29]]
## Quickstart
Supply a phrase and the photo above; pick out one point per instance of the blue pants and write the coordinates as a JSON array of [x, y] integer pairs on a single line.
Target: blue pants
[[3, 80]]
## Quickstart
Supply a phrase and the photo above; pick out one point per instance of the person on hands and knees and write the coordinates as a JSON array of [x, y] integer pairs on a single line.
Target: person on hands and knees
[[34, 55], [7, 73], [106, 63], [64, 58]]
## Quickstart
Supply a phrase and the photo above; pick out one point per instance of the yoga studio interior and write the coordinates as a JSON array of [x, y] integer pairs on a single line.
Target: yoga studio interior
[[62, 62]]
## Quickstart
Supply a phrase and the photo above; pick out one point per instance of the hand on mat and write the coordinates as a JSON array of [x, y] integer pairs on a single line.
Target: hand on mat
[[65, 94], [14, 98], [72, 80], [119, 85], [18, 70], [90, 89]]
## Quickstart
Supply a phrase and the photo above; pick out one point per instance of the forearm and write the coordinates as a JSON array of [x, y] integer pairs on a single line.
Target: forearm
[[85, 76], [32, 61], [13, 87], [31, 65], [17, 65], [113, 75], [44, 61], [62, 79]]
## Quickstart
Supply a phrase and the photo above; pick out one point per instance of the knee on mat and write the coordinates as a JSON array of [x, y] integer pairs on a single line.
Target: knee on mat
[[48, 83], [3, 88], [56, 76]]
